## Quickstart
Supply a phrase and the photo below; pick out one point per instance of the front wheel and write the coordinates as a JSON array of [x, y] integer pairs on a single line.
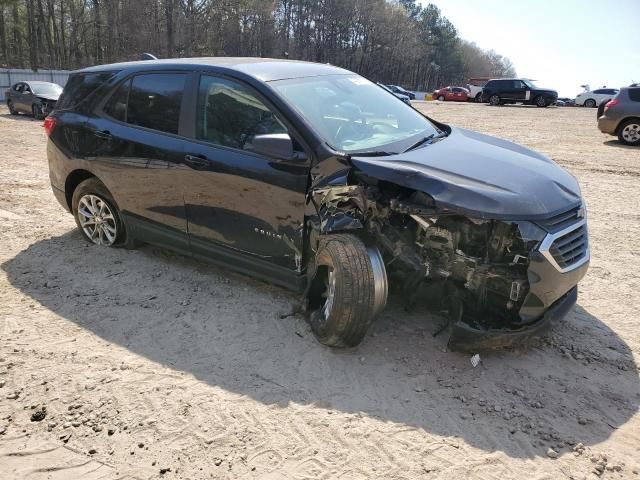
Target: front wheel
[[441, 98], [36, 111], [629, 132], [590, 103], [494, 100], [348, 290], [478, 97], [541, 102]]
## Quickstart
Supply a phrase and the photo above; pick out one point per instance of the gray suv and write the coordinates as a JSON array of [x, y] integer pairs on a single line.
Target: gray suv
[[621, 116]]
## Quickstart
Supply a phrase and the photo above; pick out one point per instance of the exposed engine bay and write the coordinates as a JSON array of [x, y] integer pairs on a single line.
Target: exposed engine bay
[[474, 269]]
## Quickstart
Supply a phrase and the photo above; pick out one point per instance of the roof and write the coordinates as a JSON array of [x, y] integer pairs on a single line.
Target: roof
[[264, 69]]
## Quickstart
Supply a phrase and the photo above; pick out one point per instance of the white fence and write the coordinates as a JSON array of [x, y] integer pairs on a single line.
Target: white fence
[[9, 76]]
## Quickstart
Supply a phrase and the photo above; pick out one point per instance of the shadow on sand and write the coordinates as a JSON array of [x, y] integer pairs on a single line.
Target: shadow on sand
[[580, 384]]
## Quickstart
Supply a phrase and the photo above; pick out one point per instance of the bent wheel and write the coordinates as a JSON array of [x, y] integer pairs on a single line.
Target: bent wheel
[[349, 289]]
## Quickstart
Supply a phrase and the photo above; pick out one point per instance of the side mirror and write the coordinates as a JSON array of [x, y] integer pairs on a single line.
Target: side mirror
[[274, 145]]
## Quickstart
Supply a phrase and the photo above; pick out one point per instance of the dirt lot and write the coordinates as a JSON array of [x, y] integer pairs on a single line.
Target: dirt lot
[[146, 361]]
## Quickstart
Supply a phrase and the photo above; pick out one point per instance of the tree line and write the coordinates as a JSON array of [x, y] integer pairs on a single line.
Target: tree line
[[397, 42]]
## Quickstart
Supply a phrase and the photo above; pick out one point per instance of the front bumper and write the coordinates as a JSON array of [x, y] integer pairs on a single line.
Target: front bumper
[[607, 125], [466, 338]]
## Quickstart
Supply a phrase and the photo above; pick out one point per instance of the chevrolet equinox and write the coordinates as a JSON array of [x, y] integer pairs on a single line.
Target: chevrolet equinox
[[314, 178]]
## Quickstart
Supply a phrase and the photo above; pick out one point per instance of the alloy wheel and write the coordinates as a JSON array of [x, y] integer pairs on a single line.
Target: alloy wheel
[[97, 220], [329, 293], [631, 133]]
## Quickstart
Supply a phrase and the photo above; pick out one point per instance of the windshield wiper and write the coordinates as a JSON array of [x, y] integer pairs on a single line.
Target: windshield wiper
[[424, 140], [371, 154]]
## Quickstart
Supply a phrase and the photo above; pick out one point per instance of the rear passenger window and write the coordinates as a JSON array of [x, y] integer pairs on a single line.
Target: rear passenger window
[[231, 114], [116, 107], [80, 86], [634, 94], [154, 101]]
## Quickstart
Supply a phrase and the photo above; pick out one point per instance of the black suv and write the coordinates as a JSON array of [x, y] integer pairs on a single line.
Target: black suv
[[314, 178], [517, 90]]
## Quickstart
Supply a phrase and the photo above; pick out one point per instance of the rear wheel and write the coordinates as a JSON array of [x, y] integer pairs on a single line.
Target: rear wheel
[[97, 216], [441, 98], [629, 132], [348, 290], [12, 109], [590, 103], [494, 100]]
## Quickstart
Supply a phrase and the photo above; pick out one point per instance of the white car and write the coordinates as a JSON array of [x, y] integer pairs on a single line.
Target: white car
[[593, 98]]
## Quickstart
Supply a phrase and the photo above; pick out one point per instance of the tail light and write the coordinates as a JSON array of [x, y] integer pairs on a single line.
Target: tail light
[[610, 104], [49, 125]]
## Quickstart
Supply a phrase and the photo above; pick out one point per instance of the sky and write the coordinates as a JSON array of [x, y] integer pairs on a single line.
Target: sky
[[561, 44]]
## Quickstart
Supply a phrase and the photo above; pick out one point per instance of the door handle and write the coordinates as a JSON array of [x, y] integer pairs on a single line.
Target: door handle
[[196, 161], [103, 134]]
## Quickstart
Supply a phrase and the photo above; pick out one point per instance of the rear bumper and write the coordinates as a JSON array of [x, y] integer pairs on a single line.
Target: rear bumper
[[465, 338], [607, 125]]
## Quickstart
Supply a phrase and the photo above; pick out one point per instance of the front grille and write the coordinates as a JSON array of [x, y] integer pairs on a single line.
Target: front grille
[[562, 220], [570, 248]]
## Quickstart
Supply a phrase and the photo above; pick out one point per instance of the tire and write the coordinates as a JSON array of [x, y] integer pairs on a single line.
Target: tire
[[36, 111], [601, 108], [90, 197], [541, 102], [478, 97], [11, 108], [349, 289], [629, 132], [590, 103], [441, 98], [494, 100]]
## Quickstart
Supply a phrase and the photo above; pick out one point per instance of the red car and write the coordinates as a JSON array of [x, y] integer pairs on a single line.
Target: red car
[[452, 94]]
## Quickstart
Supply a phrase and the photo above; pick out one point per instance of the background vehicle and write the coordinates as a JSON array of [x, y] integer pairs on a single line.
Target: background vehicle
[[517, 90], [593, 98], [565, 102], [35, 98], [451, 94], [315, 179], [402, 91], [621, 116], [402, 97], [475, 87]]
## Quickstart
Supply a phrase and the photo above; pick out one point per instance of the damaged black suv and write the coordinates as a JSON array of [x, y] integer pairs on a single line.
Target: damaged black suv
[[314, 178]]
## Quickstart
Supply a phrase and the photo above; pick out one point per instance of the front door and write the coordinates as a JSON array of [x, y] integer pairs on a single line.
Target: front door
[[236, 199]]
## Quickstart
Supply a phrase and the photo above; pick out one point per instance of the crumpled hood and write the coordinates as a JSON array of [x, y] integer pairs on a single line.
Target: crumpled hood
[[481, 176], [49, 97]]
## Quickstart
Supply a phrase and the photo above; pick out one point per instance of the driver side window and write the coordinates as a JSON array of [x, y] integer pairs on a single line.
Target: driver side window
[[231, 114]]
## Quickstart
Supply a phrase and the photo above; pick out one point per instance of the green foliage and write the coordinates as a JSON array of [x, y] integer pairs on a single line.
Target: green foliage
[[396, 42]]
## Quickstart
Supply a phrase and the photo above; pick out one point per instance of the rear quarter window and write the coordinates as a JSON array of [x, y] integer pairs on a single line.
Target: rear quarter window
[[634, 94], [80, 86]]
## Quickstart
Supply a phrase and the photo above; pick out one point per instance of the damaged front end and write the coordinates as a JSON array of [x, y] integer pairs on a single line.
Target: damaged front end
[[491, 277]]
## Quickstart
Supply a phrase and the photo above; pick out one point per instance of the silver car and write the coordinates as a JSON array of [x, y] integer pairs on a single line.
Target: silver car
[[621, 116]]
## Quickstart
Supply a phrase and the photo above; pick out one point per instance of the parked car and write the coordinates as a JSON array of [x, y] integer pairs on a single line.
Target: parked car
[[565, 102], [402, 91], [35, 98], [451, 94], [621, 116], [475, 87], [517, 90], [402, 97], [314, 178], [593, 98]]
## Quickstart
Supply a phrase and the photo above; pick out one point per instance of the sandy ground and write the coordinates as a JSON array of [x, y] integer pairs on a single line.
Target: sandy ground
[[150, 365]]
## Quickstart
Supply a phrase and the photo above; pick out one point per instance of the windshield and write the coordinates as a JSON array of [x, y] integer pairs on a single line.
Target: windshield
[[353, 114], [529, 83], [46, 89]]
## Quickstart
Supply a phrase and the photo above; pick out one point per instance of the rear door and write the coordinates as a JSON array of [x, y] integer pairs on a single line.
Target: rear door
[[138, 152], [239, 201]]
